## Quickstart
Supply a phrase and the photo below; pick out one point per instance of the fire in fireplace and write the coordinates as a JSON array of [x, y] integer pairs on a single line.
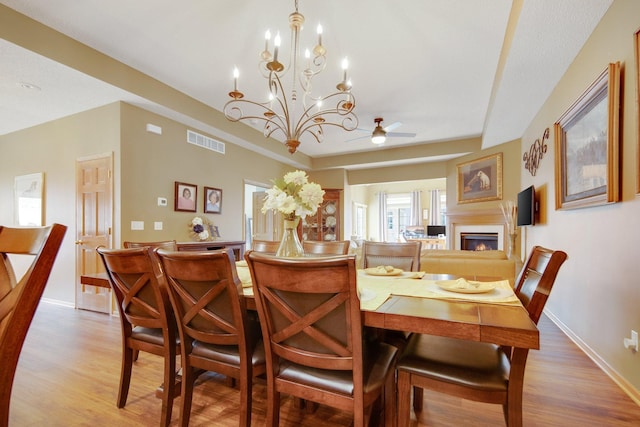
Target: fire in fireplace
[[479, 241]]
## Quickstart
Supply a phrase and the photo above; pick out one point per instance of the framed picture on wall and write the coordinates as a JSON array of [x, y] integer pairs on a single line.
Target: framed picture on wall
[[212, 200], [480, 180], [29, 209], [587, 145], [185, 197]]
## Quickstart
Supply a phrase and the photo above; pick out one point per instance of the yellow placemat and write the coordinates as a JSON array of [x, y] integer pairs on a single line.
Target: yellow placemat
[[501, 294], [243, 273]]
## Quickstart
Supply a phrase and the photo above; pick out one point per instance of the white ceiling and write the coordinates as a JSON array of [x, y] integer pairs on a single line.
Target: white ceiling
[[445, 69]]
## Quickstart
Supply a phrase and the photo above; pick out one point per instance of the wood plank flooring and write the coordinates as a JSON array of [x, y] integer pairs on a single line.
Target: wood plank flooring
[[69, 371]]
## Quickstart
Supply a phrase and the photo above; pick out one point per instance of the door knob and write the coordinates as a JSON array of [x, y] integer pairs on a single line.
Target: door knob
[[79, 242]]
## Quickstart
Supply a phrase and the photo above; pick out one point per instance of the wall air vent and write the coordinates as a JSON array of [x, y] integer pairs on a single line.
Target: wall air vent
[[205, 142]]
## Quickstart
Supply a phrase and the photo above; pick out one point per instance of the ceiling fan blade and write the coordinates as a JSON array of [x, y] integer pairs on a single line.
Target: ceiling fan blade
[[360, 137], [392, 126], [401, 134]]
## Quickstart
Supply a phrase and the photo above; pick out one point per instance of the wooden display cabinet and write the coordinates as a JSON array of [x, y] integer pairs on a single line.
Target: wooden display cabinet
[[325, 224]]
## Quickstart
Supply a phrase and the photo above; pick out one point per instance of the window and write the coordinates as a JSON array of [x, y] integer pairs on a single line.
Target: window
[[398, 215], [443, 207], [359, 221]]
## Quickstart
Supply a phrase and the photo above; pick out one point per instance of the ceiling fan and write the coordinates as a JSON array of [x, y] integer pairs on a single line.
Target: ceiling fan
[[380, 134]]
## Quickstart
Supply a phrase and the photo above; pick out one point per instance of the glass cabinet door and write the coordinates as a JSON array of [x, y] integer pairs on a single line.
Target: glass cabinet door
[[325, 224]]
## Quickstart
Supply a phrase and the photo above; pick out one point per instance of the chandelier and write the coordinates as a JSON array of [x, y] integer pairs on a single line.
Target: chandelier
[[296, 111]]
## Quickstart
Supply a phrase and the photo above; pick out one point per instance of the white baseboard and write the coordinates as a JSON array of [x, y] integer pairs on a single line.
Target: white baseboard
[[57, 302], [626, 387]]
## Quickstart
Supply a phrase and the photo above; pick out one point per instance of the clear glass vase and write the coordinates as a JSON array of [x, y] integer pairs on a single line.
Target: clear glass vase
[[290, 245], [511, 249]]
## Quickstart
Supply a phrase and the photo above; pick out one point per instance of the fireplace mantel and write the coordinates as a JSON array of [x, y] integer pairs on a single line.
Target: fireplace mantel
[[484, 219]]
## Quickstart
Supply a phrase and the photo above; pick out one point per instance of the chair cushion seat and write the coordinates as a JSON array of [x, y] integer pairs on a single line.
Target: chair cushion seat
[[478, 365], [228, 354], [151, 335], [378, 360]]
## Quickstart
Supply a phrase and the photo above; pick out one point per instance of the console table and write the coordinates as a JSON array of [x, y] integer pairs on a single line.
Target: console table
[[237, 246]]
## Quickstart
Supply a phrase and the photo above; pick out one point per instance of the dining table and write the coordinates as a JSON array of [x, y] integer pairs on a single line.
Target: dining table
[[484, 309], [418, 302]]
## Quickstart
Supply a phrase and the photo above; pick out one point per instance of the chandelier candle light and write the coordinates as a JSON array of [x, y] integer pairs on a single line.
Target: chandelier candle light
[[283, 111], [295, 197]]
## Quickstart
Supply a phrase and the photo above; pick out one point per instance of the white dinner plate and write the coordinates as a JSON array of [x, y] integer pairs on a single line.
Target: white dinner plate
[[375, 272], [330, 209], [463, 287]]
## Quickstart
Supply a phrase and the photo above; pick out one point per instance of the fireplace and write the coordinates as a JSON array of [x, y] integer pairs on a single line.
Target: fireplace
[[479, 241], [477, 222]]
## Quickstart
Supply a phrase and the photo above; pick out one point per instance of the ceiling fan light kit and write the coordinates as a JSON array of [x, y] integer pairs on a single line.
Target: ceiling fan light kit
[[379, 135], [287, 112]]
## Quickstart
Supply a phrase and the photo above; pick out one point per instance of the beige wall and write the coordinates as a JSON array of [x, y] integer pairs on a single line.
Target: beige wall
[[152, 163], [597, 294], [52, 148]]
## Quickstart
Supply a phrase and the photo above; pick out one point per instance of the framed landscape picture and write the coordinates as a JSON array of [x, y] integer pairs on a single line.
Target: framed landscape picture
[[480, 180], [587, 145]]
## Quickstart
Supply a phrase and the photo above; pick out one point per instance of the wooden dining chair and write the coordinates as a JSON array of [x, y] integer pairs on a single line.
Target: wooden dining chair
[[405, 256], [170, 245], [478, 371], [146, 317], [332, 247], [265, 246], [313, 336], [216, 332], [19, 298]]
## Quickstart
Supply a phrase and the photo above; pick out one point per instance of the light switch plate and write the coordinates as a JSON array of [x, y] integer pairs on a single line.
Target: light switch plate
[[157, 225], [137, 225], [162, 201]]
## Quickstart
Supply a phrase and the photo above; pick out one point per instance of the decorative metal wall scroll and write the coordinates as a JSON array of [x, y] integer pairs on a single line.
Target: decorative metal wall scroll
[[536, 153]]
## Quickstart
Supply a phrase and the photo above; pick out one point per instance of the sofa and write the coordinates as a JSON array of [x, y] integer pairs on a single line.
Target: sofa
[[457, 262], [468, 263]]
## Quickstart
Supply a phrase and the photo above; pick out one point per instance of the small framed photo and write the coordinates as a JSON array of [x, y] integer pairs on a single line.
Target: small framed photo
[[480, 180], [213, 232], [212, 200], [587, 145], [185, 197]]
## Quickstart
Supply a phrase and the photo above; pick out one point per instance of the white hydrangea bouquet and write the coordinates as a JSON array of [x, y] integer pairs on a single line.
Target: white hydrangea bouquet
[[293, 196]]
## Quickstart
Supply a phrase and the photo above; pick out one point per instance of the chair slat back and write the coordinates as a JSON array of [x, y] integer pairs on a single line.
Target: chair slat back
[[265, 246], [537, 278], [134, 280], [316, 247], [205, 293], [405, 256], [309, 310], [170, 245], [19, 298]]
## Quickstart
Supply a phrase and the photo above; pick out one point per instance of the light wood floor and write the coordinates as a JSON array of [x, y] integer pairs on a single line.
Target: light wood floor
[[69, 371]]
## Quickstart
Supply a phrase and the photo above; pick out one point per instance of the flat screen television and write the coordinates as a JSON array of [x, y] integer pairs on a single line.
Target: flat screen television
[[436, 230], [527, 206]]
